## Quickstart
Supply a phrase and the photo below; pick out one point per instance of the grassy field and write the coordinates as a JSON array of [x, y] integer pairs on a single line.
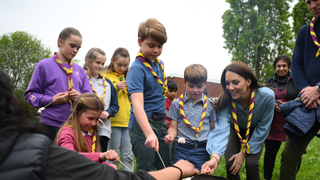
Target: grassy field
[[310, 166]]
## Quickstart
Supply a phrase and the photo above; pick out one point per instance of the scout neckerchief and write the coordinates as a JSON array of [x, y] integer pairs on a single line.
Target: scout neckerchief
[[94, 140], [121, 78], [141, 57], [203, 115], [68, 71], [314, 36], [104, 85], [244, 142]]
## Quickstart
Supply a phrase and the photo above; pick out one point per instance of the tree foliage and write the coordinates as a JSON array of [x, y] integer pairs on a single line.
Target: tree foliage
[[19, 54], [301, 16], [257, 31]]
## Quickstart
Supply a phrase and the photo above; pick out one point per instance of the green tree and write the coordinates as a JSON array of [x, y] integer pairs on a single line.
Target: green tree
[[19, 54], [257, 31], [301, 16]]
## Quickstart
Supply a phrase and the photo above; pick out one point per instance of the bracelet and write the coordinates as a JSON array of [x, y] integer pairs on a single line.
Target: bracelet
[[179, 169], [216, 159]]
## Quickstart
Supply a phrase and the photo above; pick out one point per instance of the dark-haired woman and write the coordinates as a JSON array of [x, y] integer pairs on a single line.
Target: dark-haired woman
[[245, 112], [284, 90]]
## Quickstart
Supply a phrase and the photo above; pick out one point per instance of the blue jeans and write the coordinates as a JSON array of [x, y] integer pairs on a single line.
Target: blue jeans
[[120, 142], [197, 156]]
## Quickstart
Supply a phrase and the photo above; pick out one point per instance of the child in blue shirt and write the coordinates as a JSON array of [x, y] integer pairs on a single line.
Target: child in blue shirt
[[192, 117], [147, 86]]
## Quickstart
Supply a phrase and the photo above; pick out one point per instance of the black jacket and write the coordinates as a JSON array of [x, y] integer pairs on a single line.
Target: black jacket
[[33, 156], [291, 87]]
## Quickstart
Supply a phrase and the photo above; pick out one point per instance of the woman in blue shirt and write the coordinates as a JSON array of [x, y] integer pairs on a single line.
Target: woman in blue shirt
[[245, 112]]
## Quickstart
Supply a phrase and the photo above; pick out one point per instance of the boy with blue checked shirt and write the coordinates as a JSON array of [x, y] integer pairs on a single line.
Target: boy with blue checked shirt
[[147, 86], [192, 117]]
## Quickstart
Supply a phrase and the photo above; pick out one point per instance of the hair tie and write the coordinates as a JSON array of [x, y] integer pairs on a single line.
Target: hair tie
[[179, 169]]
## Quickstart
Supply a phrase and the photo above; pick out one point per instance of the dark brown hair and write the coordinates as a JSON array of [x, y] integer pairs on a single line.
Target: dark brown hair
[[285, 58], [66, 32], [243, 70]]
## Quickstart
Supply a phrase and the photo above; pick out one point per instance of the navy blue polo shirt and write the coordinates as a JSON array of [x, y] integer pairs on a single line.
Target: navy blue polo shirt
[[140, 79]]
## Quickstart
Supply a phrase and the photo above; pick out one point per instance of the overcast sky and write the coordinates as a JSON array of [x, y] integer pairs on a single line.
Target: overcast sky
[[194, 28]]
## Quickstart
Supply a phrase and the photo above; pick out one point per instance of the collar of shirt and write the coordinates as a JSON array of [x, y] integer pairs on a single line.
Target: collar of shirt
[[88, 133], [185, 99]]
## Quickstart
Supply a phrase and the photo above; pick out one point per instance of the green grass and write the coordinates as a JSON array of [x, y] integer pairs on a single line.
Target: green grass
[[310, 165]]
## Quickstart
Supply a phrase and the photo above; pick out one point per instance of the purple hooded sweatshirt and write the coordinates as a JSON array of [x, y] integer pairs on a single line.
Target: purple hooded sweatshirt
[[49, 79]]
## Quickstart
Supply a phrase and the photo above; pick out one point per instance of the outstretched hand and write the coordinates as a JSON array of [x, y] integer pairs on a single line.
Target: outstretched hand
[[211, 165], [187, 168]]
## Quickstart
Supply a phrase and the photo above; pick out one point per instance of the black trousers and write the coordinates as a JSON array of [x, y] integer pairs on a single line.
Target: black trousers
[[271, 149], [104, 143], [251, 160]]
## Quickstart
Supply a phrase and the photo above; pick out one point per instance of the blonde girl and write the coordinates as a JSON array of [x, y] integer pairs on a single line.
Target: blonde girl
[[117, 71], [104, 90], [80, 132]]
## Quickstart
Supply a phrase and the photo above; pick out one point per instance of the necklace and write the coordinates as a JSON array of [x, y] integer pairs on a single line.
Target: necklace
[[104, 85], [141, 57], [203, 115], [314, 36], [244, 142]]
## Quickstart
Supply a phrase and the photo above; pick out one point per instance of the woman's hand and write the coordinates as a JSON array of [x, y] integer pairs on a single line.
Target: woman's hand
[[187, 168], [211, 165], [237, 162]]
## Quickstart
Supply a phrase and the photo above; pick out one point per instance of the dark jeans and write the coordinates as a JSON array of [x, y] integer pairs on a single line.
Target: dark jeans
[[104, 143], [147, 159], [291, 155], [52, 130], [251, 160], [271, 149]]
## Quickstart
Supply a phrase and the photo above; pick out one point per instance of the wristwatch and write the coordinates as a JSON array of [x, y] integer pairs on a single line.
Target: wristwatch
[[318, 86]]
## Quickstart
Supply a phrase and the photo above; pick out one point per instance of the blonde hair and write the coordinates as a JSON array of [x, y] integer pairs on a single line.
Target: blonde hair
[[195, 73], [91, 56], [119, 52], [154, 29], [84, 102]]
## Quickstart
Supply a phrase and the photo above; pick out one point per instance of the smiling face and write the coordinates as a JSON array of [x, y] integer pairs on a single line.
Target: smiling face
[[120, 64], [150, 48], [69, 48], [194, 91], [237, 86], [88, 119], [282, 68], [314, 6], [97, 64]]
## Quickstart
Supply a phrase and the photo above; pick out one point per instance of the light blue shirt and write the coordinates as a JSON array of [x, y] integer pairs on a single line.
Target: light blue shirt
[[261, 119], [193, 113]]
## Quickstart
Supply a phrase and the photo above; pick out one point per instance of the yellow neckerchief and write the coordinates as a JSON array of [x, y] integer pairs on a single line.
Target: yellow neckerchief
[[104, 85], [141, 57], [203, 115], [244, 142], [68, 71], [94, 139]]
